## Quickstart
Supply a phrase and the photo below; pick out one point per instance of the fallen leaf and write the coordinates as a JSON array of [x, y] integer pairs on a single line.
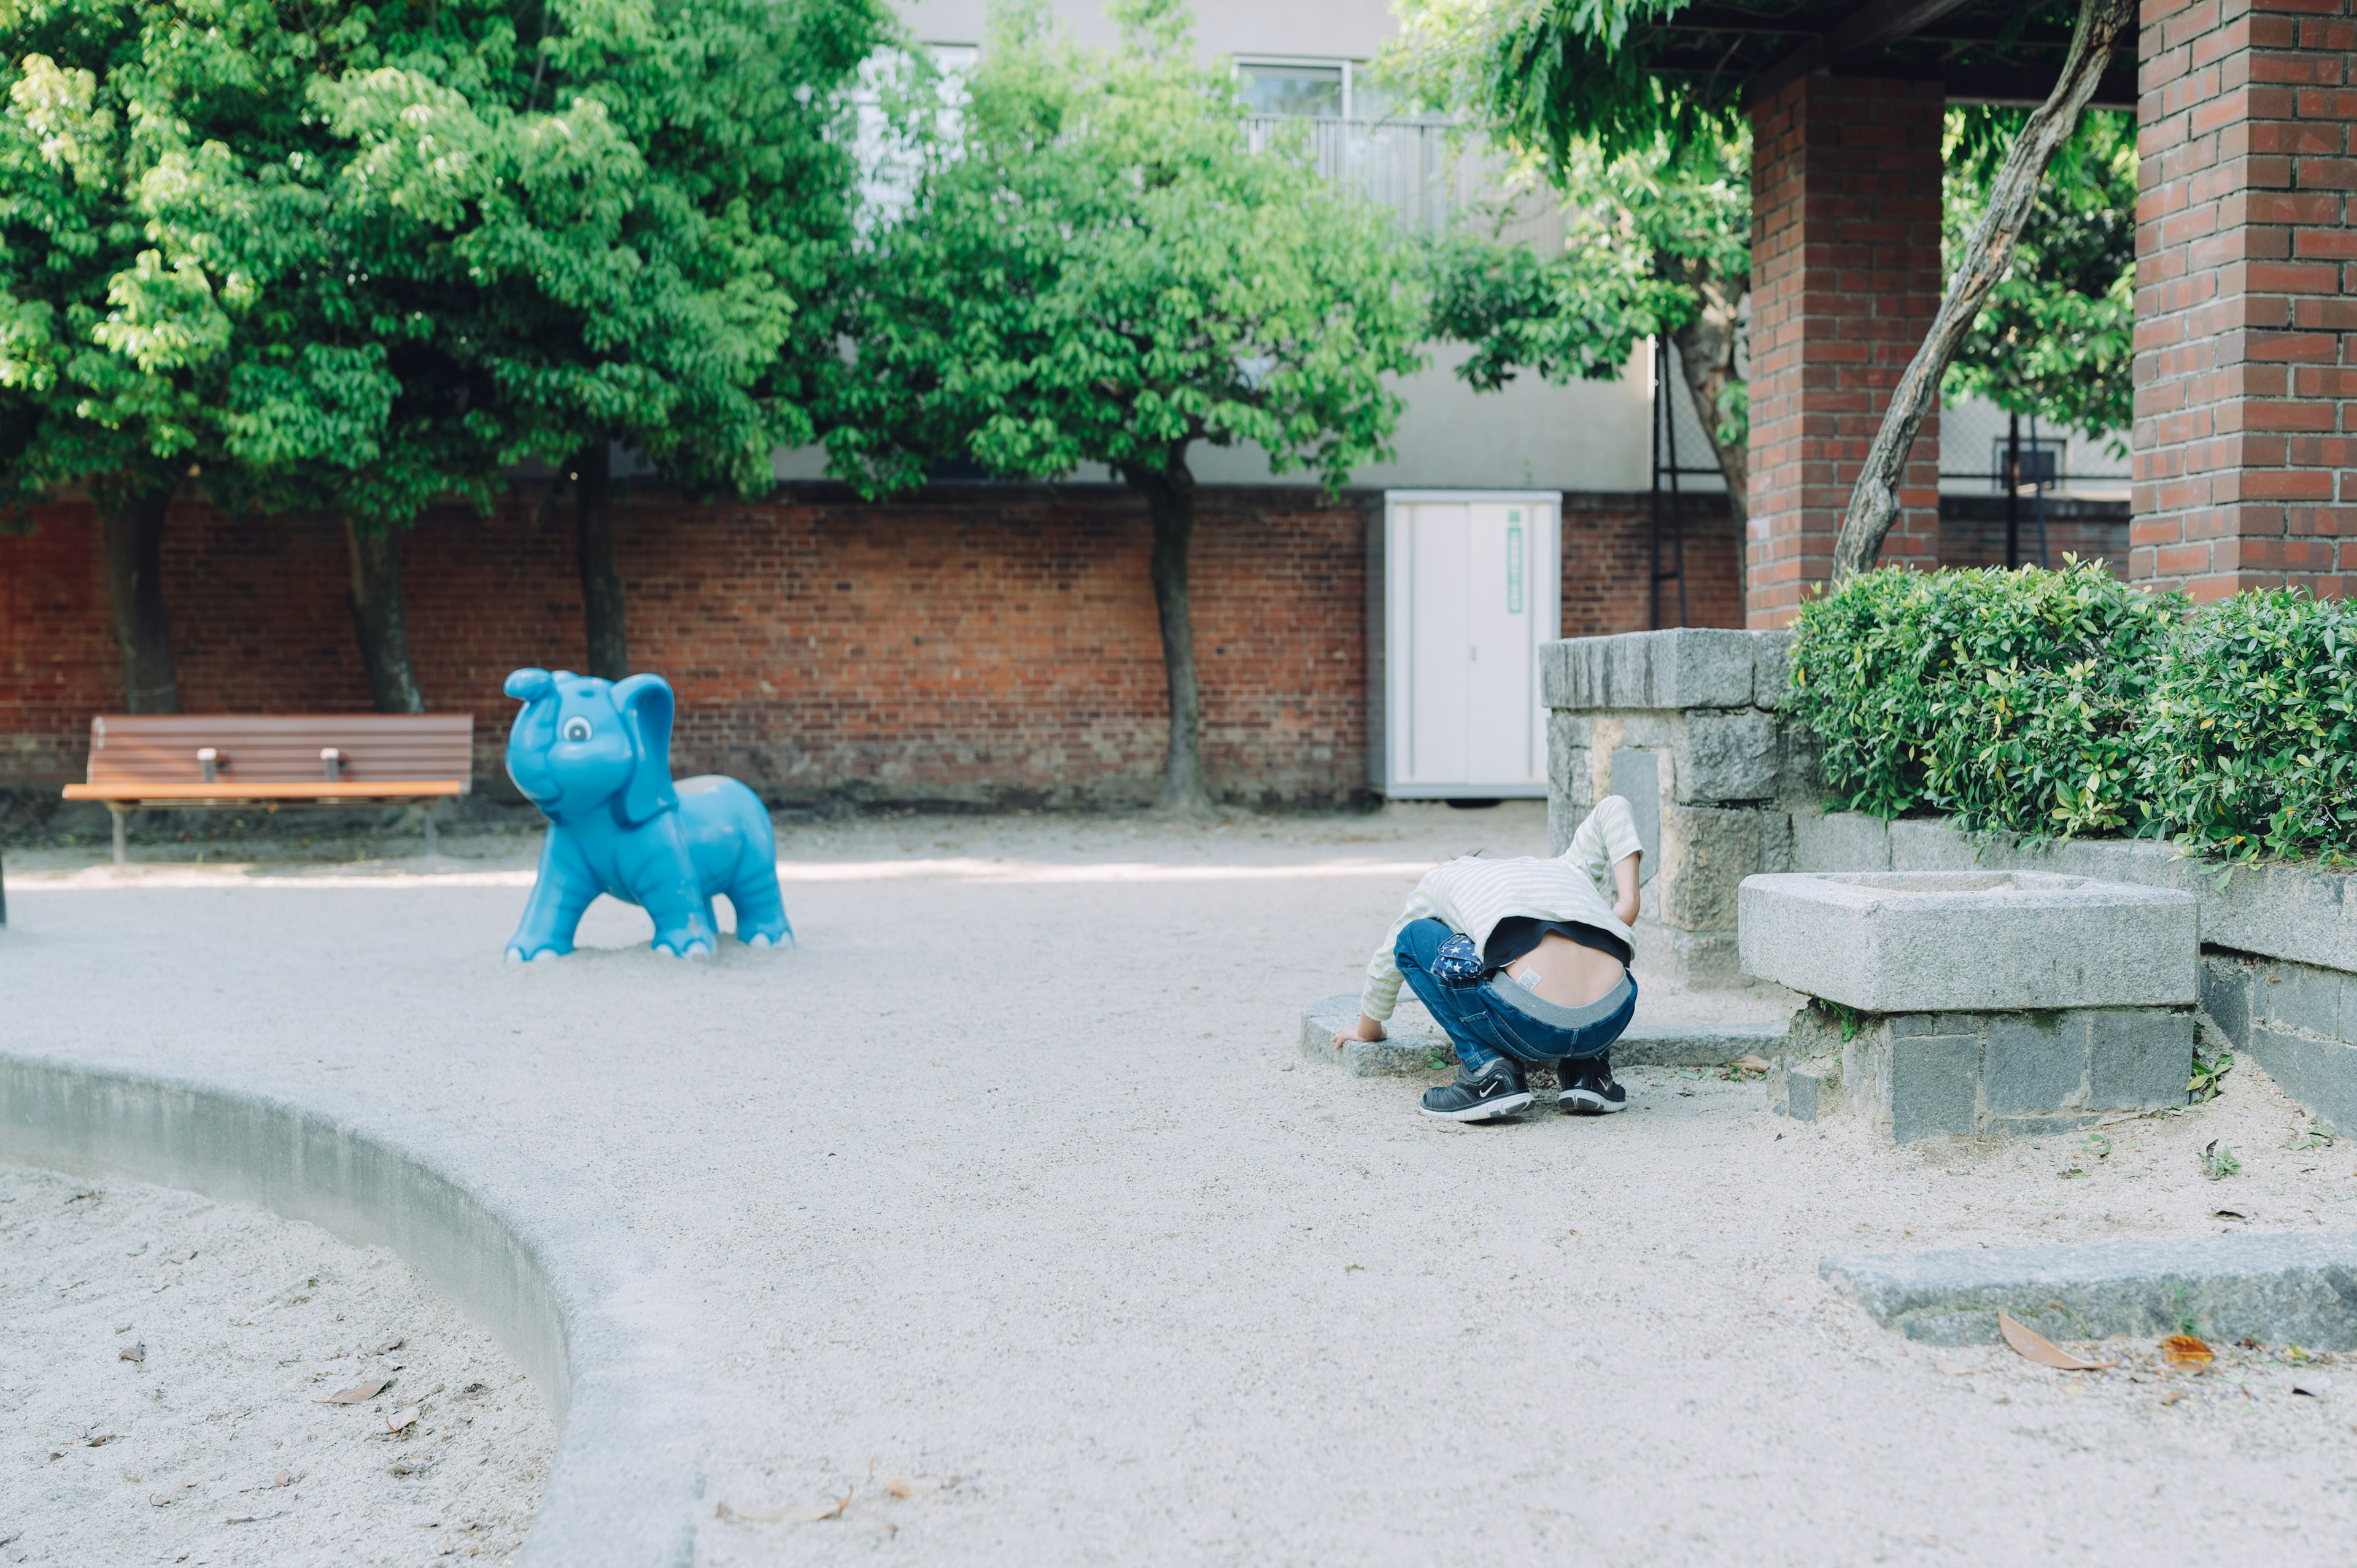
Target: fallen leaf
[[390, 1345], [2185, 1350], [401, 1418], [283, 1478], [1751, 1063], [2311, 1394], [909, 1485], [2224, 1214], [135, 1354], [2172, 1396], [166, 1499], [181, 1256], [808, 1515], [357, 1392], [1954, 1369], [103, 1439], [2031, 1346]]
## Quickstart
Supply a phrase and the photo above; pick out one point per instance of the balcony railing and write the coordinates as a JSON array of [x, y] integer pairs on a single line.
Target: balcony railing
[[1430, 175]]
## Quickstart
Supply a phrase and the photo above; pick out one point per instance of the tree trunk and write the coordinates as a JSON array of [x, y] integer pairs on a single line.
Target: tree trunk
[[1707, 356], [377, 617], [1170, 501], [135, 581], [601, 574], [1874, 504]]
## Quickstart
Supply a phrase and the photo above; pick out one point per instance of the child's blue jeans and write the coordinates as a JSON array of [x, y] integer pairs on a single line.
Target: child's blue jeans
[[1488, 1018]]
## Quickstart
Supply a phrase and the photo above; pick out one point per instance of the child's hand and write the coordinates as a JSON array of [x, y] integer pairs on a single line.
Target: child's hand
[[1366, 1029]]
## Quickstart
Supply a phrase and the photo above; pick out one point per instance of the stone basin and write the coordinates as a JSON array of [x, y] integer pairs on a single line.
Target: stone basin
[[1909, 941]]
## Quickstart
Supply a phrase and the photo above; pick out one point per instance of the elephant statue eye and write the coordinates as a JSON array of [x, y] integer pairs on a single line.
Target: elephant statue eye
[[576, 729]]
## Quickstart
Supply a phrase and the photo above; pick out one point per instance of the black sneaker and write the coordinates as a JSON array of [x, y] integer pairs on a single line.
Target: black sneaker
[[1588, 1089], [1497, 1089]]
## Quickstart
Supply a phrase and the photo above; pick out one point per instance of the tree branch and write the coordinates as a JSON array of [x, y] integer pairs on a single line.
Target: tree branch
[[1874, 504]]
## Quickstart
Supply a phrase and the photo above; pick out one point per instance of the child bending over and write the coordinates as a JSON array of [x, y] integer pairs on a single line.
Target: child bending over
[[1520, 960]]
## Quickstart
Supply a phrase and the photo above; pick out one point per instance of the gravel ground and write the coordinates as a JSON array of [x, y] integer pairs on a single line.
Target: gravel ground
[[1008, 1192], [162, 1357]]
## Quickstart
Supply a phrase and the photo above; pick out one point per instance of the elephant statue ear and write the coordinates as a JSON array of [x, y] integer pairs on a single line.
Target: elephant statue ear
[[645, 705]]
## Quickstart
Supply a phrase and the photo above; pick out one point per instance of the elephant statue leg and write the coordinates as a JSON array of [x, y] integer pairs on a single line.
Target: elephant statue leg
[[559, 895], [761, 905], [665, 881]]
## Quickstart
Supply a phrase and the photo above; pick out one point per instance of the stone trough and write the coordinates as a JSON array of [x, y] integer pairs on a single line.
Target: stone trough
[[1977, 1004]]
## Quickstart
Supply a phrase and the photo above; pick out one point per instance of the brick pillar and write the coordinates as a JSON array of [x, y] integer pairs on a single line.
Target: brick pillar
[[1845, 281], [2247, 237]]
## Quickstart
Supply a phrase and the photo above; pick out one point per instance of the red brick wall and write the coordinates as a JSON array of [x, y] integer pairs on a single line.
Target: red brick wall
[[1845, 281], [984, 643], [2246, 249], [1607, 555]]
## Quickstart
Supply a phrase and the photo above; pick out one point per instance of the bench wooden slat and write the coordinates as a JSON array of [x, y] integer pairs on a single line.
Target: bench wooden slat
[[228, 793], [133, 755]]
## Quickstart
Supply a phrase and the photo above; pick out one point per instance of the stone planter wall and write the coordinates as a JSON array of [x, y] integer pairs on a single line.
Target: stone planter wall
[[1682, 723]]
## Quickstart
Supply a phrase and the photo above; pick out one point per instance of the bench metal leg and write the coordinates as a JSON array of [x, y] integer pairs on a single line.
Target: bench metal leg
[[122, 847], [430, 850]]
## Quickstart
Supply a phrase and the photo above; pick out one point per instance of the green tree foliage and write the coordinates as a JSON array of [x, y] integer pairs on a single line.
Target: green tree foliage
[[2056, 338], [361, 257], [1093, 268], [1558, 76]]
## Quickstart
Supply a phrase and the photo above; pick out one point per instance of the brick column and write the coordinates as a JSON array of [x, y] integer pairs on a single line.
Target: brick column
[[1845, 281], [2247, 237]]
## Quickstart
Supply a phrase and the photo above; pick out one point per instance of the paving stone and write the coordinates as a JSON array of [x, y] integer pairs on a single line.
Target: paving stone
[[1637, 779], [1809, 1093], [1840, 841], [1771, 659], [1706, 853], [2034, 1063], [1723, 757], [2298, 996], [1934, 1086], [1913, 941], [2139, 1058], [2320, 1074], [2277, 1290], [2227, 995], [1691, 667]]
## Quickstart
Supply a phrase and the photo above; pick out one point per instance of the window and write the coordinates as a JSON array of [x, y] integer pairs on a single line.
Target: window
[[1301, 89]]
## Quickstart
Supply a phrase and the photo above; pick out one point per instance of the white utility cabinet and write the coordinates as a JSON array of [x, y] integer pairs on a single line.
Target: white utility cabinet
[[1462, 587]]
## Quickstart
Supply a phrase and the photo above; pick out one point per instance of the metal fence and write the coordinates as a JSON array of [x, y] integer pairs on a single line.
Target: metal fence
[[1430, 173]]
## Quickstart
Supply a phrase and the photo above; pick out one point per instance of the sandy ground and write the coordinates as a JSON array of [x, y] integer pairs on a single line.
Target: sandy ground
[[161, 1360], [1006, 1191]]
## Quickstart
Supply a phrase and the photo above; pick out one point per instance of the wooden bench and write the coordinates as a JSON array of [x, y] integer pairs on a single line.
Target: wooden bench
[[180, 761]]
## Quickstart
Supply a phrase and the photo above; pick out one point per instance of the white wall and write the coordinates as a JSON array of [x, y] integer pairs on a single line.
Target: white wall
[[1589, 435]]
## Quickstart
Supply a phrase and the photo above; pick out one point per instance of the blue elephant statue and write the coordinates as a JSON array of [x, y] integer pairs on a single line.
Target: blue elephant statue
[[595, 756]]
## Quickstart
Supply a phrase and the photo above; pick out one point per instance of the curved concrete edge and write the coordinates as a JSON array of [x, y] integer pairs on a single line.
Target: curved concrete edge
[[547, 1266]]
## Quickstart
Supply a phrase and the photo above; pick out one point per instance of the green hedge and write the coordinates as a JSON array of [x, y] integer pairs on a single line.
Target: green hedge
[[2067, 703]]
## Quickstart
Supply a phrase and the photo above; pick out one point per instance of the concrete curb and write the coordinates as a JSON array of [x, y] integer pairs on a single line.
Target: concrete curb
[[1413, 1049], [521, 1247], [2279, 1290]]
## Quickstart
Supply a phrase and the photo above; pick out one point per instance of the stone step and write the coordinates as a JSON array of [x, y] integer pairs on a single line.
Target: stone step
[[1416, 1048], [2277, 1290]]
